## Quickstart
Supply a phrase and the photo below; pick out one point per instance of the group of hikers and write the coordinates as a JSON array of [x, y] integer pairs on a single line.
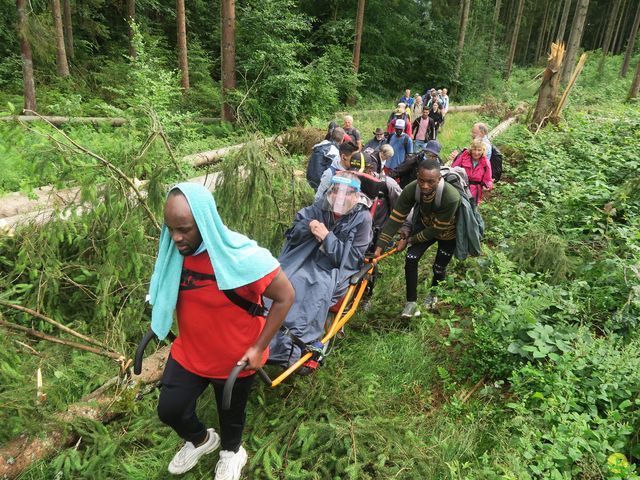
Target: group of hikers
[[238, 305]]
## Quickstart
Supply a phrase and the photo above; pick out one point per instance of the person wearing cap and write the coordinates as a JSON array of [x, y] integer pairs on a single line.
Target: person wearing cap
[[434, 99], [402, 145], [346, 151], [434, 221], [377, 141], [214, 280], [423, 130], [351, 131], [407, 172], [400, 113], [324, 247]]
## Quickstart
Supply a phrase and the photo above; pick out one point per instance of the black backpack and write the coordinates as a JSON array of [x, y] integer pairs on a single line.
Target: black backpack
[[496, 163], [319, 161]]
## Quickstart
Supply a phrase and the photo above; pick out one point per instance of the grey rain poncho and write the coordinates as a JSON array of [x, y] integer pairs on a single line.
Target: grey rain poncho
[[319, 272]]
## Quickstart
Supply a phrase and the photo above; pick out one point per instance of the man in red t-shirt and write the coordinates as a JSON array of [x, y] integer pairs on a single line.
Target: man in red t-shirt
[[215, 333]]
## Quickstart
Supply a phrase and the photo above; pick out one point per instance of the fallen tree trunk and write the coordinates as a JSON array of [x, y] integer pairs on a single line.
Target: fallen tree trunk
[[46, 212], [505, 124], [112, 121], [453, 108], [16, 208], [21, 452]]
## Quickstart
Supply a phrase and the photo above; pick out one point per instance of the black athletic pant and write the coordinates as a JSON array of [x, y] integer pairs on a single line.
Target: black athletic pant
[[414, 254], [177, 405]]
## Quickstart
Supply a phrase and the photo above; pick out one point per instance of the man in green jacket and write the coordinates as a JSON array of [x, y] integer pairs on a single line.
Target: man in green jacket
[[434, 221]]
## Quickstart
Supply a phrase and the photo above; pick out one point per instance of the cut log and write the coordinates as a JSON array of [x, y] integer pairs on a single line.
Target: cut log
[[21, 452]]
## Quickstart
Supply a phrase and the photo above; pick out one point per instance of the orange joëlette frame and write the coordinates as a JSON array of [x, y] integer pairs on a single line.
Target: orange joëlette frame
[[340, 320]]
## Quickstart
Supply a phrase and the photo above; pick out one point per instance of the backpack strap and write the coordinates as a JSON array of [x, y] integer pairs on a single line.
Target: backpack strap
[[361, 169], [439, 192], [253, 309]]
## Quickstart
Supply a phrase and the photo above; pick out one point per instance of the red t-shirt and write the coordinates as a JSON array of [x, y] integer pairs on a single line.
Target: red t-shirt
[[214, 333]]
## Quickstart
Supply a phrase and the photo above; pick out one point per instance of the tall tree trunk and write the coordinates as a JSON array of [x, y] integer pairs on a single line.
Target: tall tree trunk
[[630, 43], [27, 59], [619, 25], [182, 45], [635, 86], [609, 34], [464, 20], [228, 16], [508, 20], [514, 40], [131, 17], [563, 21], [524, 54], [61, 54], [68, 28], [541, 33], [358, 41], [627, 24], [574, 39], [548, 36], [496, 16]]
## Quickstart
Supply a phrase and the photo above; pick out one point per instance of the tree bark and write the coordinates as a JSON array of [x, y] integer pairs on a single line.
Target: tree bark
[[182, 45], [542, 32], [574, 39], [496, 16], [635, 85], [131, 17], [19, 454], [514, 40], [68, 28], [631, 42], [619, 25], [548, 36], [228, 43], [464, 20], [28, 82], [563, 21], [548, 93], [608, 34], [358, 40], [61, 54]]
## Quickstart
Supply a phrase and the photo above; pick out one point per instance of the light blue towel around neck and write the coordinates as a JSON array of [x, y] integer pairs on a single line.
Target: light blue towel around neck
[[236, 259]]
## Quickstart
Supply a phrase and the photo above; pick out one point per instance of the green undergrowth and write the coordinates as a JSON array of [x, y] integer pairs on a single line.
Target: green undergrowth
[[528, 368]]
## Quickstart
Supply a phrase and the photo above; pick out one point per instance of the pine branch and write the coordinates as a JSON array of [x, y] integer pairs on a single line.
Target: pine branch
[[42, 336], [107, 164], [62, 327]]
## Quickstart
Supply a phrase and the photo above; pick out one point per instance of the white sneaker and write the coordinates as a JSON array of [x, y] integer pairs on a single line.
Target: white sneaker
[[230, 465], [410, 310], [189, 454]]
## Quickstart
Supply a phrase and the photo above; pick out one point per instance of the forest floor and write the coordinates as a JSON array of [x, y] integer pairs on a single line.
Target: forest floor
[[528, 368]]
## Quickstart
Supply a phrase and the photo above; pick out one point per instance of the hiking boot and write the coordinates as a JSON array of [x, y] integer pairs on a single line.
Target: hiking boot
[[189, 454], [230, 465], [430, 301], [410, 310]]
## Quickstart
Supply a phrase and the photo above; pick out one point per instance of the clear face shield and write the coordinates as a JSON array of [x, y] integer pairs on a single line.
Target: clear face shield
[[342, 196]]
